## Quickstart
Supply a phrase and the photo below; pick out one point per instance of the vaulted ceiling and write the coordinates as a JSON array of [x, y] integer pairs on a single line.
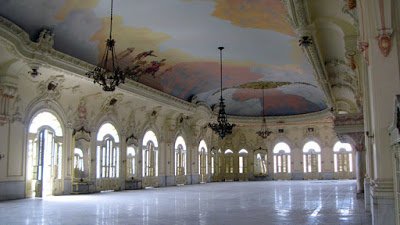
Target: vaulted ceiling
[[261, 48]]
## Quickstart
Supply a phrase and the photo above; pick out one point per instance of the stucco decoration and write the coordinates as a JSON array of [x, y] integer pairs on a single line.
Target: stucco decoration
[[261, 46], [51, 88]]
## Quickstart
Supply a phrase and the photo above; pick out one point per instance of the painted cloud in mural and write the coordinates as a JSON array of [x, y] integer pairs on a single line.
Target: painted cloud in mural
[[260, 46]]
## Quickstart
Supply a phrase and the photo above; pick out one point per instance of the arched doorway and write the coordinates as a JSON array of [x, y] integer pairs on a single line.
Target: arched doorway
[[282, 162], [311, 160], [44, 156], [203, 161], [243, 159], [180, 160], [228, 161], [108, 158], [343, 160], [150, 160]]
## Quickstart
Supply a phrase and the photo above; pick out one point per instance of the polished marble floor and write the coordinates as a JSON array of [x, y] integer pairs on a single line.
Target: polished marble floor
[[230, 203]]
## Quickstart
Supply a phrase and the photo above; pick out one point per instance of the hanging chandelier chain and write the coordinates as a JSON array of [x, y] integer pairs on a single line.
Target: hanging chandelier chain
[[220, 60], [263, 102], [111, 19], [264, 132]]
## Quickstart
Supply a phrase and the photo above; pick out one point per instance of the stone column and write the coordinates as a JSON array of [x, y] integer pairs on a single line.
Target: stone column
[[359, 145]]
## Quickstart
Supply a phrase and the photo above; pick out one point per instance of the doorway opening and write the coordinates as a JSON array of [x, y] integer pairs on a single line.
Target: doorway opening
[[44, 156]]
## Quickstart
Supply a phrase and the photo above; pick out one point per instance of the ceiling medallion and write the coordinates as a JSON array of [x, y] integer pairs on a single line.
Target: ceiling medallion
[[263, 132], [109, 75], [223, 127]]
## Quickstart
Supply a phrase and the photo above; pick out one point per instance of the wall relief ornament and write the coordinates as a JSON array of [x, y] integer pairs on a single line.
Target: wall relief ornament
[[110, 102], [51, 88], [385, 41]]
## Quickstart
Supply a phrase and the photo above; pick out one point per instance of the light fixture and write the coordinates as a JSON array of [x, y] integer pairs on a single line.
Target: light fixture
[[223, 127], [263, 132], [109, 75]]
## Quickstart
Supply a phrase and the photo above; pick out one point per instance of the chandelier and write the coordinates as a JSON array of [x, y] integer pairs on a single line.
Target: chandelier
[[223, 127], [263, 132], [109, 75]]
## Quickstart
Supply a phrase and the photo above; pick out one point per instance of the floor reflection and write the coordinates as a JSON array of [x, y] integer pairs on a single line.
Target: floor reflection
[[272, 202]]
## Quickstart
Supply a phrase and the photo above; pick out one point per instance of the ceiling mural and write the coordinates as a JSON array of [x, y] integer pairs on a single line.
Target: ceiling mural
[[261, 50]]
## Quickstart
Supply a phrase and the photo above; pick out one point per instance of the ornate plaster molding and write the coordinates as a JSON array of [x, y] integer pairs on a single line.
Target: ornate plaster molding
[[299, 17]]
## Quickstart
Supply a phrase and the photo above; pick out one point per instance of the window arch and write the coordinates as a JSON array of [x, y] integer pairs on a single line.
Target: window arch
[[150, 154], [45, 119], [44, 155], [107, 152], [180, 156], [243, 161], [281, 153], [342, 157], [130, 162], [228, 161], [203, 158], [311, 157]]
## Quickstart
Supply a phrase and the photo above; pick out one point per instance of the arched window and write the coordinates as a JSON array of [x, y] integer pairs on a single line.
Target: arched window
[[342, 157], [243, 161], [228, 161], [282, 158], [311, 157], [260, 163], [44, 156], [203, 161], [130, 162], [107, 152], [78, 162], [150, 154], [180, 156]]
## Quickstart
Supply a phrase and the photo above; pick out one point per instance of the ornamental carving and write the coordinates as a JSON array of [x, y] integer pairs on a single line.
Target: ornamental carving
[[51, 88], [385, 42]]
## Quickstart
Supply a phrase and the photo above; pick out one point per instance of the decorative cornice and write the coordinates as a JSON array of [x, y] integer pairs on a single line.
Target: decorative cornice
[[300, 19]]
